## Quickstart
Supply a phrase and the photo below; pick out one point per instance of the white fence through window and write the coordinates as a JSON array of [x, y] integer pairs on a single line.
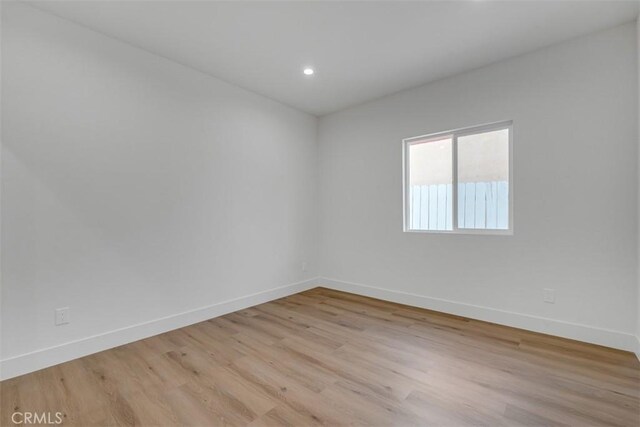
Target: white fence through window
[[483, 205]]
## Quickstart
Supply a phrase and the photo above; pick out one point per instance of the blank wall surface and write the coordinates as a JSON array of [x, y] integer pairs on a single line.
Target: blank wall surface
[[135, 188], [574, 112], [637, 350]]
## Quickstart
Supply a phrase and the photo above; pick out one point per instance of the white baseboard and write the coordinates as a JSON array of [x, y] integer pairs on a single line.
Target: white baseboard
[[579, 332], [39, 359], [43, 358]]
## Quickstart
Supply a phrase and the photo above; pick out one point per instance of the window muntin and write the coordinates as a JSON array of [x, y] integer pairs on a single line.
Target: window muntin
[[460, 181]]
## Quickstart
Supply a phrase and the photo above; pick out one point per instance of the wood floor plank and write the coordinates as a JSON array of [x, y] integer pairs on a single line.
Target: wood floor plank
[[324, 357]]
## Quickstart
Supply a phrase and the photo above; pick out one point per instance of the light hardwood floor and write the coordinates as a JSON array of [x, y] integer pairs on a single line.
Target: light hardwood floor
[[327, 357]]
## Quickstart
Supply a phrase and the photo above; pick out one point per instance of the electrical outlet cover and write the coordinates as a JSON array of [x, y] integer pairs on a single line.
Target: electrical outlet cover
[[62, 316], [549, 295]]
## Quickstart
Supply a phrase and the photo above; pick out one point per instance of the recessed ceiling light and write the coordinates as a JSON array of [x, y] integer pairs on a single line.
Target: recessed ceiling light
[[308, 71]]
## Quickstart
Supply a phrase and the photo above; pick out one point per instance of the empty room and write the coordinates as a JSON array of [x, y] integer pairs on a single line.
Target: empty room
[[304, 213]]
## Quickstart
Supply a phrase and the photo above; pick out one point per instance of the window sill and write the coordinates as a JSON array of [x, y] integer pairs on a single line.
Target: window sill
[[470, 231]]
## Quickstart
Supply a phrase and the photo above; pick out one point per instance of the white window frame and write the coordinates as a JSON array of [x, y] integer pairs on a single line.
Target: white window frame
[[454, 135]]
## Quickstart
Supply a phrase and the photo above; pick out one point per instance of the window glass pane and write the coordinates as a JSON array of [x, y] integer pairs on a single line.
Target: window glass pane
[[430, 185], [483, 180]]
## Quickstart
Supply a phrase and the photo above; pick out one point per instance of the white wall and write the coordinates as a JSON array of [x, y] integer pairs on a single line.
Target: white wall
[[574, 109], [638, 291], [134, 188]]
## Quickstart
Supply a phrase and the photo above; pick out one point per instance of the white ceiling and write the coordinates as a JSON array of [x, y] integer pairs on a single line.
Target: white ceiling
[[360, 50]]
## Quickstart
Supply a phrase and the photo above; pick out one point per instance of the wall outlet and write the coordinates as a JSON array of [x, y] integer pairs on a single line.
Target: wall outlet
[[62, 316], [549, 295], [304, 266]]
